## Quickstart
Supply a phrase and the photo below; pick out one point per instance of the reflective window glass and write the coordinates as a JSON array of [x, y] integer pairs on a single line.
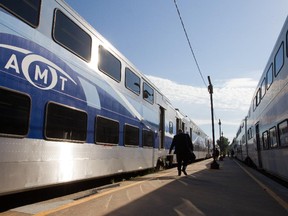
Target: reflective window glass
[[148, 93], [109, 64], [263, 87], [14, 113], [279, 59], [65, 123], [249, 134], [107, 131], [258, 97], [283, 133], [272, 138], [71, 36], [27, 10], [265, 140], [148, 138], [132, 81], [170, 127], [269, 76], [131, 135], [287, 43]]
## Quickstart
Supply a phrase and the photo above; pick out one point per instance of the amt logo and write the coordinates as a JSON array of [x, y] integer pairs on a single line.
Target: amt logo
[[43, 73]]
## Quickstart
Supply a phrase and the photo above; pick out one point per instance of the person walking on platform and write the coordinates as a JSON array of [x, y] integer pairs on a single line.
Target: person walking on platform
[[183, 148]]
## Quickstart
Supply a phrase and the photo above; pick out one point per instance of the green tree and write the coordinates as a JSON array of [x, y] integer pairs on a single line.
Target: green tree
[[223, 145]]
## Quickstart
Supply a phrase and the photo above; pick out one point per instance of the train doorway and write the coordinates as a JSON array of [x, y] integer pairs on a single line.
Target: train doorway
[[258, 145], [161, 127], [177, 125]]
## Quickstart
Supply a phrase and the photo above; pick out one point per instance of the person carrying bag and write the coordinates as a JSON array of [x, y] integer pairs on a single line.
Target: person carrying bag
[[183, 148]]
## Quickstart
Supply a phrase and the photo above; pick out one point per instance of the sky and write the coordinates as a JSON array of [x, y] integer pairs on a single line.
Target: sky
[[232, 42]]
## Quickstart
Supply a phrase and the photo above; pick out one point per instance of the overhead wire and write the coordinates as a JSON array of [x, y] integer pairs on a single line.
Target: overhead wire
[[191, 48], [188, 40]]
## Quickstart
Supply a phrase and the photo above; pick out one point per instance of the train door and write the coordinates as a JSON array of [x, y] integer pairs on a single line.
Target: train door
[[179, 125], [258, 145], [178, 122], [161, 127]]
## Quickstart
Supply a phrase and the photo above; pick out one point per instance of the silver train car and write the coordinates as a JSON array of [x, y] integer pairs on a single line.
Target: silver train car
[[262, 138], [72, 107]]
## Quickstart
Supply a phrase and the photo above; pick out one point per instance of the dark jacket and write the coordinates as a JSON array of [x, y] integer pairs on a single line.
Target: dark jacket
[[182, 144], [183, 148]]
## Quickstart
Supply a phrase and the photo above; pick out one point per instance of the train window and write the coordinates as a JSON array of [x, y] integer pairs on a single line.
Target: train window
[[269, 76], [71, 36], [287, 43], [265, 140], [148, 93], [249, 133], [170, 127], [132, 81], [263, 87], [272, 137], [109, 64], [26, 10], [279, 59], [258, 97], [65, 123], [283, 133], [255, 103], [148, 138], [131, 135], [14, 113], [107, 131]]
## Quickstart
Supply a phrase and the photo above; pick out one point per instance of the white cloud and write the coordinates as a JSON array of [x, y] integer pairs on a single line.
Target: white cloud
[[234, 94], [240, 83], [231, 100], [178, 92]]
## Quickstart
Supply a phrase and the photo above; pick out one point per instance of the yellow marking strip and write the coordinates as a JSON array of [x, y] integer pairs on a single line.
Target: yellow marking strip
[[268, 190], [92, 197]]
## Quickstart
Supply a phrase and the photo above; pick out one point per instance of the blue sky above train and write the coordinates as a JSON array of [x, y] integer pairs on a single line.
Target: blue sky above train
[[232, 42]]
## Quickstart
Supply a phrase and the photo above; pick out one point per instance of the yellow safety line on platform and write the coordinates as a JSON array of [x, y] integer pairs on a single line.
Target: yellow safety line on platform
[[78, 202], [268, 190]]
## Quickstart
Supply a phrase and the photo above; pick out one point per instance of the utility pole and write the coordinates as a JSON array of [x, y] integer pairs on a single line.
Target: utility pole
[[220, 138], [214, 164]]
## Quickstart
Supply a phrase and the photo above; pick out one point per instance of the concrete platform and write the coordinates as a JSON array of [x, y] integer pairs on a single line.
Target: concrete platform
[[234, 189]]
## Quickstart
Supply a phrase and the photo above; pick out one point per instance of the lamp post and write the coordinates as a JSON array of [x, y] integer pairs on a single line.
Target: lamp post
[[214, 164], [219, 130]]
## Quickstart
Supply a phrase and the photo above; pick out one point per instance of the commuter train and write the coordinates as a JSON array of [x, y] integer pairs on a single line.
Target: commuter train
[[72, 107], [262, 138]]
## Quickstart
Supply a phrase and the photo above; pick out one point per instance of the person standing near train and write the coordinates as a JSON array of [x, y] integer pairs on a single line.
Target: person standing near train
[[183, 149]]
